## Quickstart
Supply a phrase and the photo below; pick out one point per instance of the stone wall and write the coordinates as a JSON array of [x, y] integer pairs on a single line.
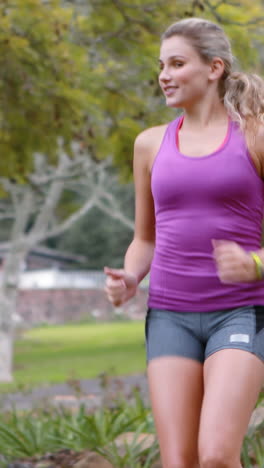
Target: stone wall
[[38, 306]]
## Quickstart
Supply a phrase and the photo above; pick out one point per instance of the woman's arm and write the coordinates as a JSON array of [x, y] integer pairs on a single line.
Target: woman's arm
[[234, 264], [140, 252], [122, 284]]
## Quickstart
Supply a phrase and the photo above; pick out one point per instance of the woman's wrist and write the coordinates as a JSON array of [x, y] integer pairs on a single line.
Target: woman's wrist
[[133, 277], [258, 265]]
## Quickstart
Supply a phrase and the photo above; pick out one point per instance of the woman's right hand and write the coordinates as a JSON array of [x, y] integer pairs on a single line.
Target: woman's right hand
[[120, 285]]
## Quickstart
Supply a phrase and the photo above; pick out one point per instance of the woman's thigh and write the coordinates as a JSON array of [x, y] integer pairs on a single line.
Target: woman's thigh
[[175, 355], [232, 381], [176, 393]]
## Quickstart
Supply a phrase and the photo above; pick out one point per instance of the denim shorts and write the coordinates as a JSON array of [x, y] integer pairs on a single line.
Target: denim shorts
[[197, 335]]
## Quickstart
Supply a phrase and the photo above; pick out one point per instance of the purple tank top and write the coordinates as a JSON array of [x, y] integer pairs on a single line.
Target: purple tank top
[[197, 199]]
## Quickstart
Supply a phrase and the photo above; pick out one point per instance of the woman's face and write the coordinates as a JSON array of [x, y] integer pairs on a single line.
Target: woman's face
[[183, 77]]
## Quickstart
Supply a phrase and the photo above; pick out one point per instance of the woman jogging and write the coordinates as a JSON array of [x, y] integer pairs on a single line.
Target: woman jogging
[[199, 210]]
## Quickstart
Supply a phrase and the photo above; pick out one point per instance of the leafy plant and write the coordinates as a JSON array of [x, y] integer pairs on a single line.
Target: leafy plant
[[45, 430], [253, 447], [49, 430], [134, 454]]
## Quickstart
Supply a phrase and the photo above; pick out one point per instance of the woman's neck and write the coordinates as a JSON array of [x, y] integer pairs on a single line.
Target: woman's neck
[[202, 116]]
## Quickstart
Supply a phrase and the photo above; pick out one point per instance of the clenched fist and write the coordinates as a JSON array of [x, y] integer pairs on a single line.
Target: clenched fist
[[120, 285], [234, 264]]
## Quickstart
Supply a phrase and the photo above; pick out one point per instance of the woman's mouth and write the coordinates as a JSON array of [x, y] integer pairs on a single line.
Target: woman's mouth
[[169, 90]]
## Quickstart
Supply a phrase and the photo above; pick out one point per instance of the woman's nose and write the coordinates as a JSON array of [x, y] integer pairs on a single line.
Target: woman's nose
[[164, 75]]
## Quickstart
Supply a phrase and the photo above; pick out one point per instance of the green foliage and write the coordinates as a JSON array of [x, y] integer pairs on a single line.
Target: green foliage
[[134, 454], [253, 447], [25, 436], [39, 431], [43, 82]]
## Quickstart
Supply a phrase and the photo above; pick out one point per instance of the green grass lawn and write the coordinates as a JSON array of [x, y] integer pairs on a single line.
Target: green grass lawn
[[77, 351]]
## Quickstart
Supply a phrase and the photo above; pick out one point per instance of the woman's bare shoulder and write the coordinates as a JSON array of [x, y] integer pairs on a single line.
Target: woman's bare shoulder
[[151, 136], [147, 145]]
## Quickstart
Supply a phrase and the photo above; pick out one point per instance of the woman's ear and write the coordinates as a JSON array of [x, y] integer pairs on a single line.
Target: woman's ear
[[217, 68]]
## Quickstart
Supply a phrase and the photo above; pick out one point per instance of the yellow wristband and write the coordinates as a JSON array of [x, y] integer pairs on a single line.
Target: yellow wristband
[[258, 265]]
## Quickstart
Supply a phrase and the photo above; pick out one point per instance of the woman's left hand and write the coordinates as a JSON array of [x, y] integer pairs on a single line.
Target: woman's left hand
[[234, 264]]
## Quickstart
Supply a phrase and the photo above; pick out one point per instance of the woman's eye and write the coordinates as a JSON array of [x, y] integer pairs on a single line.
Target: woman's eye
[[175, 64]]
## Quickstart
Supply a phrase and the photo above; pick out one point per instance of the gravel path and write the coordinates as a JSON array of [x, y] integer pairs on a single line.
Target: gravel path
[[92, 393]]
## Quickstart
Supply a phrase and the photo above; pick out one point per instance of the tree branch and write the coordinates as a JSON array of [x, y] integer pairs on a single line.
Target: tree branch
[[23, 213], [64, 226], [223, 20], [114, 211]]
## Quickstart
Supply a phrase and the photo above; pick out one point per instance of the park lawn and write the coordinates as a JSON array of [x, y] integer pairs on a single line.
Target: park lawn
[[55, 354]]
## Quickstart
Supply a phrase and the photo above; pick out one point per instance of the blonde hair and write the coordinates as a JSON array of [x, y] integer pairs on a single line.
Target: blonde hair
[[242, 93]]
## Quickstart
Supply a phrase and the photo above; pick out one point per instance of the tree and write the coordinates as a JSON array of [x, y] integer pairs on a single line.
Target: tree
[[33, 207], [65, 77], [43, 91]]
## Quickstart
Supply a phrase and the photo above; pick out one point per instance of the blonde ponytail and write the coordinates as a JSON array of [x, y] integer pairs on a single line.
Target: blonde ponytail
[[244, 101]]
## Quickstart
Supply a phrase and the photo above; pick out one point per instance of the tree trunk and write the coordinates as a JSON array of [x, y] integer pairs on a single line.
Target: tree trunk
[[6, 356], [6, 339], [8, 298]]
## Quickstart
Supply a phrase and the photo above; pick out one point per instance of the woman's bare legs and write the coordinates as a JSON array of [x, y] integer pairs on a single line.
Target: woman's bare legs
[[232, 381], [176, 392]]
